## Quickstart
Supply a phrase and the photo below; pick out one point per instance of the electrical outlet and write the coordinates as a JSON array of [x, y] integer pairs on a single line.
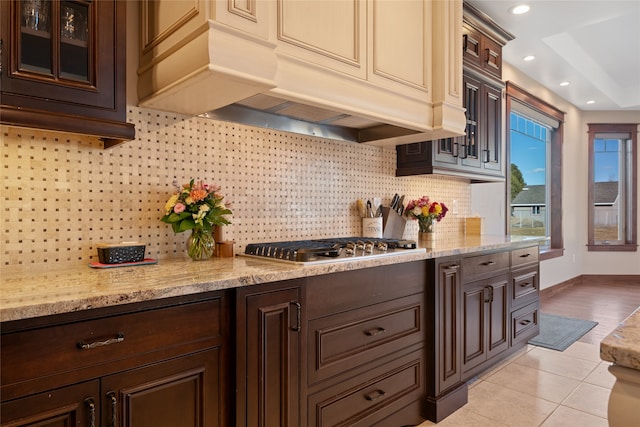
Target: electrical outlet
[[454, 207]]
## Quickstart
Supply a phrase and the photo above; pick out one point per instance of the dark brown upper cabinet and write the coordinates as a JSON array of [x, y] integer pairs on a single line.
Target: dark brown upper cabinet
[[63, 67], [477, 155]]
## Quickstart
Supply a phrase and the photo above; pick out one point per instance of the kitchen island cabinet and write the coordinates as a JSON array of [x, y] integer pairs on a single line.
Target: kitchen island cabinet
[[160, 365], [622, 348], [62, 67]]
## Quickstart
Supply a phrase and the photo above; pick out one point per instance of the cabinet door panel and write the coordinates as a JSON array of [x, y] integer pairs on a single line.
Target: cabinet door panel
[[498, 316], [268, 374], [65, 70], [184, 392], [399, 43], [473, 139], [447, 151], [331, 34], [474, 329], [492, 135], [80, 73], [75, 405], [448, 303]]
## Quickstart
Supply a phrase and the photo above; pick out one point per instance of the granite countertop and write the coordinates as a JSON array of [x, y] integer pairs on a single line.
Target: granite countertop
[[622, 346], [29, 292]]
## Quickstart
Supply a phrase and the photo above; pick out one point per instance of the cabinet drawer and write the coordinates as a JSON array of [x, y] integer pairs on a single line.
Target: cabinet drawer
[[69, 406], [76, 350], [365, 400], [348, 290], [482, 266], [491, 57], [524, 256], [524, 286], [343, 341], [525, 323]]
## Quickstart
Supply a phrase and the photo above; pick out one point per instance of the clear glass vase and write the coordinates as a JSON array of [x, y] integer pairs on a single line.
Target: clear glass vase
[[200, 244], [426, 225], [426, 233]]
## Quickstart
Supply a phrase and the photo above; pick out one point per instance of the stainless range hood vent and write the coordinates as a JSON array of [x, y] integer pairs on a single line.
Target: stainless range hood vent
[[274, 113]]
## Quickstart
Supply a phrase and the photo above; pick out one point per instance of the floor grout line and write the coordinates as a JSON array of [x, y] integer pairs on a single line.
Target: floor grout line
[[558, 406]]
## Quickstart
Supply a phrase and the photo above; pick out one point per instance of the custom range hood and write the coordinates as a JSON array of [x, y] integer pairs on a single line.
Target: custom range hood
[[268, 111], [357, 83]]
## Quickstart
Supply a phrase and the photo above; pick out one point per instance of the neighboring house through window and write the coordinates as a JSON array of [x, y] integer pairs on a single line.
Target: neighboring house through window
[[528, 211]]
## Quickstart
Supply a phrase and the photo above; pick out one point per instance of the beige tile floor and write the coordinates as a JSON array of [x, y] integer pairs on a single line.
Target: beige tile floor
[[539, 387]]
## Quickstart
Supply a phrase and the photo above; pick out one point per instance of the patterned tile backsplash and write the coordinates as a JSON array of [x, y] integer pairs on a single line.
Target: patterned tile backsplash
[[62, 193]]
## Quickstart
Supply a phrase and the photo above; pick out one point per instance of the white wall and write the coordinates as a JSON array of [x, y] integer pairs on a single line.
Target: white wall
[[576, 260]]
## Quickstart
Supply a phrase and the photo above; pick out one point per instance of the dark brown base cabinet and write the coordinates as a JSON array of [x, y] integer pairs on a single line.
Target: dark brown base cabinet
[[479, 154], [332, 350], [365, 347], [268, 355], [484, 308], [140, 365], [382, 346]]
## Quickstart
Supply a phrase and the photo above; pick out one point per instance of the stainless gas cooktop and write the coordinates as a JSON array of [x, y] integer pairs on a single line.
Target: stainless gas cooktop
[[330, 250]]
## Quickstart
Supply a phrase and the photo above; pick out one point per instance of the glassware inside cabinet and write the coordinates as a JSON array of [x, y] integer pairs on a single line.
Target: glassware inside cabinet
[[35, 32], [74, 37], [54, 39]]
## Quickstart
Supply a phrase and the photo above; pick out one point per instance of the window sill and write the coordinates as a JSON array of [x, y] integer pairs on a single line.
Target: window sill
[[550, 253], [629, 247]]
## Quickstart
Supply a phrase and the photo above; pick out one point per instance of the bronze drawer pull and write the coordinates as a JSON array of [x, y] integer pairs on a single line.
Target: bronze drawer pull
[[525, 322], [92, 411], [84, 346], [375, 331], [452, 267], [488, 263], [525, 255], [375, 395], [525, 284]]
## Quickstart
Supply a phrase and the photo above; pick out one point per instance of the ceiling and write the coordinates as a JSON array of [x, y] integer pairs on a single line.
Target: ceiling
[[593, 44]]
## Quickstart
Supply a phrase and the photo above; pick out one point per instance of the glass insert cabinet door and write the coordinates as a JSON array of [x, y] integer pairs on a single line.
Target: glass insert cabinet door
[[55, 40]]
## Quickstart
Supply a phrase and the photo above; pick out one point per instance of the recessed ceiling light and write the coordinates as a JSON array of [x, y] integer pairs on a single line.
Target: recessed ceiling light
[[591, 101], [520, 9], [529, 58], [565, 84]]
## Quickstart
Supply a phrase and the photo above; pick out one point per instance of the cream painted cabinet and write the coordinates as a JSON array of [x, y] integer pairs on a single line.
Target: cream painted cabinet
[[330, 34], [381, 61], [383, 42], [198, 55]]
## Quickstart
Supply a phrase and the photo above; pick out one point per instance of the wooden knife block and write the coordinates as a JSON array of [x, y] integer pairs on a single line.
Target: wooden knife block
[[392, 224]]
